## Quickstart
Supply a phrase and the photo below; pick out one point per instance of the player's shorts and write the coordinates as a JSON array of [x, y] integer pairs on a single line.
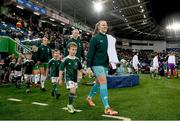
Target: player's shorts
[[36, 67], [43, 65], [12, 73], [154, 69], [71, 84], [129, 70], [135, 67], [54, 79], [27, 77], [100, 71], [17, 73], [171, 66]]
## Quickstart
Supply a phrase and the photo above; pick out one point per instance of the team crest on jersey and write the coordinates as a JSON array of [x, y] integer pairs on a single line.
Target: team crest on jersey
[[76, 64]]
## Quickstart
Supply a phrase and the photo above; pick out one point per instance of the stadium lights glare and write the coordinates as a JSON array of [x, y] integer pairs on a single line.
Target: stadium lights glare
[[51, 19], [142, 10], [98, 6], [62, 24], [36, 13], [174, 26], [126, 20], [144, 22], [20, 7], [43, 21]]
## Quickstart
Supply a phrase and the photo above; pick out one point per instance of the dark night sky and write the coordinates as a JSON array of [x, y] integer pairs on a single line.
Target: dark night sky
[[165, 10]]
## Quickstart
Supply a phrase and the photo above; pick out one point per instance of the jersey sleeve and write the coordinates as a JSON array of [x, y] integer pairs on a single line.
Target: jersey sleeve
[[39, 53], [79, 65], [91, 51], [24, 63], [50, 53], [49, 63], [33, 63], [62, 65]]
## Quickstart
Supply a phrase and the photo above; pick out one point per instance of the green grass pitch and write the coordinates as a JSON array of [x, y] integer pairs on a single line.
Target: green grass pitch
[[150, 100]]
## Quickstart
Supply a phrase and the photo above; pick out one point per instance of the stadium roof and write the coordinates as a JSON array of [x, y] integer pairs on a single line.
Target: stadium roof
[[131, 19]]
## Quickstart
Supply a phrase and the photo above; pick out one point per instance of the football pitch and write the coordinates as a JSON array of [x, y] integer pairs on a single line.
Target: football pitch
[[152, 99]]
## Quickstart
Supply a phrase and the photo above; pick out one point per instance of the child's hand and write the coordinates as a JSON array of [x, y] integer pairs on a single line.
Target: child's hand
[[84, 72], [38, 62], [90, 73]]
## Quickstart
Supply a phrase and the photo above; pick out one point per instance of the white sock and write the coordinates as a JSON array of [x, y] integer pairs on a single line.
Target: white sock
[[36, 78], [42, 81], [33, 78], [42, 84]]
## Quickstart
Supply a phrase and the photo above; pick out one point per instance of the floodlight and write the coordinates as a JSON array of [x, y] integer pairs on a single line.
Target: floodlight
[[174, 26], [98, 6]]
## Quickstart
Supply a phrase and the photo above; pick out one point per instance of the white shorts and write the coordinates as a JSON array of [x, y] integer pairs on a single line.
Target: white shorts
[[18, 73], [54, 79], [12, 73], [153, 69], [71, 84], [135, 67], [129, 70], [27, 77]]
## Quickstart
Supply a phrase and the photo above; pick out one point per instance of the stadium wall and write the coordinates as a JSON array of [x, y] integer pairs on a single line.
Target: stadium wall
[[173, 45], [8, 45], [3, 44], [157, 46]]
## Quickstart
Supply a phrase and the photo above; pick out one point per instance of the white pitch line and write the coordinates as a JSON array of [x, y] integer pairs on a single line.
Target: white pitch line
[[14, 99], [76, 110], [37, 103], [117, 117]]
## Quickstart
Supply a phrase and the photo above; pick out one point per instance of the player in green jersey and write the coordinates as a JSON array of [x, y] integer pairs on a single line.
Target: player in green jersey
[[54, 64], [70, 66]]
